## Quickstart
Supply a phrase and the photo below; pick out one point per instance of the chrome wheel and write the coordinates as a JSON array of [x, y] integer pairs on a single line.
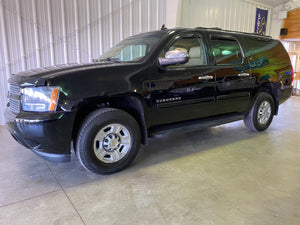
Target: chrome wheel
[[112, 143], [264, 112]]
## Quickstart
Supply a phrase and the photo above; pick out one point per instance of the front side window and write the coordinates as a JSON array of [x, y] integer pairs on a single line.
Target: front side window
[[194, 48], [226, 51]]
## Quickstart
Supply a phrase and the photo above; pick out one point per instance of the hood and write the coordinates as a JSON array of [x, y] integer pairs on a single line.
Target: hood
[[39, 76]]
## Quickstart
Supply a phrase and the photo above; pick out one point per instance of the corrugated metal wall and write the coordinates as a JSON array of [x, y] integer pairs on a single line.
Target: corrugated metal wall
[[37, 33], [238, 15]]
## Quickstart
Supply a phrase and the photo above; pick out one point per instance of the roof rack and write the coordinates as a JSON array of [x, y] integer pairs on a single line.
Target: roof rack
[[218, 28], [209, 28]]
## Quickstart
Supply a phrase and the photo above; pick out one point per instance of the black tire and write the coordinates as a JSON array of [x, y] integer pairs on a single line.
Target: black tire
[[259, 117], [115, 129]]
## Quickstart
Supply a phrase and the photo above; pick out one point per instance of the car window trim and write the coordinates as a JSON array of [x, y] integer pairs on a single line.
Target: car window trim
[[227, 37], [205, 49]]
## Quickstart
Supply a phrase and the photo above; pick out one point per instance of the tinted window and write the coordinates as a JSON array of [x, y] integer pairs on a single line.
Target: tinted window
[[226, 51], [194, 47]]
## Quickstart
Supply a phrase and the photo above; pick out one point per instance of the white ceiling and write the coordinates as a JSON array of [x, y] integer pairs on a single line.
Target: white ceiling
[[272, 3]]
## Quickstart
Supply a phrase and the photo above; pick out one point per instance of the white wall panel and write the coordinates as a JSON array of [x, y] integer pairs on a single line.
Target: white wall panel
[[238, 15], [37, 33]]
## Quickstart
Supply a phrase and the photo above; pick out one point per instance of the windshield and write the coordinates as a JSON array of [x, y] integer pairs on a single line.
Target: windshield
[[131, 49]]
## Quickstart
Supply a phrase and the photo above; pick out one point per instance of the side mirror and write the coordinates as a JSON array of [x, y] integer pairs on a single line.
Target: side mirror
[[173, 57]]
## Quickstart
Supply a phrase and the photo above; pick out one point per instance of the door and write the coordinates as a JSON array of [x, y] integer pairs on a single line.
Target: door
[[185, 91], [234, 83]]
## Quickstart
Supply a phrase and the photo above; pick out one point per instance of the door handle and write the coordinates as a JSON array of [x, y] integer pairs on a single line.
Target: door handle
[[207, 77], [243, 75]]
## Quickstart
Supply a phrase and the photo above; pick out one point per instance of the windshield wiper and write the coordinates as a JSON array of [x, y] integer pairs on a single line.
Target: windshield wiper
[[109, 59]]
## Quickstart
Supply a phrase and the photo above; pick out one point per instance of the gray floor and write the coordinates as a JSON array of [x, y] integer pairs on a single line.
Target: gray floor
[[221, 175]]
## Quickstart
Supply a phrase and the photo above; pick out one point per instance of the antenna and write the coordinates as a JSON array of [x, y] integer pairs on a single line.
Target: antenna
[[163, 27]]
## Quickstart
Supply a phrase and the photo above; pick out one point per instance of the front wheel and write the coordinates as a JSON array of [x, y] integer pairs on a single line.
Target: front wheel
[[261, 114], [108, 141]]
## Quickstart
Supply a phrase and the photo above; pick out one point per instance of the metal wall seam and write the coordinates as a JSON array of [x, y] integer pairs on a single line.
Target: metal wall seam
[[52, 56], [5, 40], [66, 58], [269, 22], [149, 17], [89, 30], [130, 18], [130, 25], [140, 16], [243, 12], [78, 58], [121, 20], [230, 15], [36, 34], [157, 13], [225, 13], [239, 9], [21, 39], [3, 79], [110, 11], [100, 28]]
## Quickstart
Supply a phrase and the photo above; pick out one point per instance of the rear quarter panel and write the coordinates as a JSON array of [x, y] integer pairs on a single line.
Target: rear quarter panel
[[270, 63]]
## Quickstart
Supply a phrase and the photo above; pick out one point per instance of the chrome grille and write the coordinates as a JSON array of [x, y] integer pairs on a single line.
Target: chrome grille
[[14, 98]]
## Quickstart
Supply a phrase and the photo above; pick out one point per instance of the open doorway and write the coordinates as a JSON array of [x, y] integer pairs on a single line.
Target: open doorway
[[293, 48]]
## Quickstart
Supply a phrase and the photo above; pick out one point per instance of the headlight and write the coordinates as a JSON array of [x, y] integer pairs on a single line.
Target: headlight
[[40, 99]]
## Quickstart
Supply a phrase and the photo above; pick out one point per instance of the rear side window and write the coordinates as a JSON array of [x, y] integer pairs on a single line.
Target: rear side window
[[226, 51]]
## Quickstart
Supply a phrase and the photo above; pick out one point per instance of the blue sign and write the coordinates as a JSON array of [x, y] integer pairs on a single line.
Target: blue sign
[[261, 21]]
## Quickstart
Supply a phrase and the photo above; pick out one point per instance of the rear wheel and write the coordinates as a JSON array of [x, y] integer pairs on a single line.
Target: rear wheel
[[108, 141], [261, 114]]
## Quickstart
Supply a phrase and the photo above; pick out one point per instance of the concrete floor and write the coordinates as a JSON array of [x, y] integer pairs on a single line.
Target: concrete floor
[[221, 175]]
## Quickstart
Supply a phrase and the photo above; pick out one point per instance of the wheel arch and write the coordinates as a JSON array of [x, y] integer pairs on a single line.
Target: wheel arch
[[272, 88], [129, 103]]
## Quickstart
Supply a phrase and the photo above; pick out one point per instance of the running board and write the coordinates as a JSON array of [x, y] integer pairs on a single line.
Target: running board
[[192, 125]]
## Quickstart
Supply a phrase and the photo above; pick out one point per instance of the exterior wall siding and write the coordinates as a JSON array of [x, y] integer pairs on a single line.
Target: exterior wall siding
[[237, 15], [38, 33]]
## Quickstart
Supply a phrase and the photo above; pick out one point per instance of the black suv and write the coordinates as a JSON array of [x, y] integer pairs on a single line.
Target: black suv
[[148, 85]]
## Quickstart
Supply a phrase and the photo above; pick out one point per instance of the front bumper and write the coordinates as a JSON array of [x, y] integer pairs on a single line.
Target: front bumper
[[47, 134]]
